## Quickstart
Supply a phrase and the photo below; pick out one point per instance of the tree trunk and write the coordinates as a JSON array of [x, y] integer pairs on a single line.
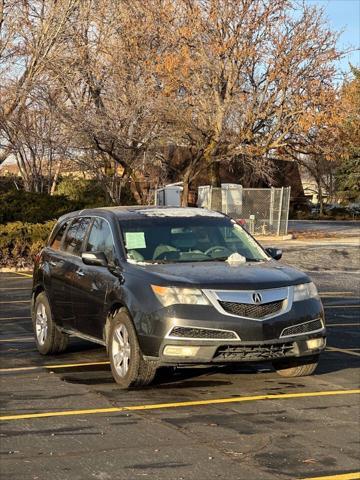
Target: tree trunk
[[188, 175], [320, 198], [215, 174], [137, 191], [55, 179], [213, 167], [331, 186], [23, 172], [6, 151], [185, 192]]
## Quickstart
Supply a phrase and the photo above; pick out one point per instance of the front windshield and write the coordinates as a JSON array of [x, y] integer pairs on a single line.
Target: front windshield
[[189, 239]]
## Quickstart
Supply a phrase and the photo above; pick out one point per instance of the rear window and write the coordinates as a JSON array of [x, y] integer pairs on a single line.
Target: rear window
[[56, 243], [75, 235]]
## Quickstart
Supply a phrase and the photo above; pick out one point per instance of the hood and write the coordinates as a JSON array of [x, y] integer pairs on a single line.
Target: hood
[[221, 275]]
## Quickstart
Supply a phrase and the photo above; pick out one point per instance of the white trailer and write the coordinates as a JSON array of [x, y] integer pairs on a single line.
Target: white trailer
[[168, 196]]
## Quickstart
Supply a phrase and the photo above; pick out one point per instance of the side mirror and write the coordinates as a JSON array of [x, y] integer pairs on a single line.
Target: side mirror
[[97, 259], [275, 253]]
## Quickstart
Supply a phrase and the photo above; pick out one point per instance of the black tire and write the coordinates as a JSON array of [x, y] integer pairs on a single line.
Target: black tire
[[296, 367], [49, 340], [128, 366]]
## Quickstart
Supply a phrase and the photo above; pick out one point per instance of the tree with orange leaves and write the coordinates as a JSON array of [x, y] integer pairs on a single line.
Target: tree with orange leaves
[[348, 174], [243, 79]]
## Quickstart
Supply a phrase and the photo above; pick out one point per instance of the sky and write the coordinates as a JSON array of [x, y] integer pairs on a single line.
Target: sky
[[344, 15]]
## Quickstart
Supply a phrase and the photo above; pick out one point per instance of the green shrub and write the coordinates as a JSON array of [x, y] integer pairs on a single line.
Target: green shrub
[[9, 183], [81, 190], [347, 178], [18, 205], [90, 193], [20, 242]]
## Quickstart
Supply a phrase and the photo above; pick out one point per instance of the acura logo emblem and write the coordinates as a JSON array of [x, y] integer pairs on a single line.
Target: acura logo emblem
[[257, 298]]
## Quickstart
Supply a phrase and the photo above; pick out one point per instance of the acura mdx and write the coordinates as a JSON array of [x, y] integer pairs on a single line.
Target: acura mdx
[[173, 287]]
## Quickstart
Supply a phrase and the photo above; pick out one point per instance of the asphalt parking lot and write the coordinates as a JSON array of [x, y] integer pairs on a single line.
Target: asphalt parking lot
[[63, 417], [341, 227]]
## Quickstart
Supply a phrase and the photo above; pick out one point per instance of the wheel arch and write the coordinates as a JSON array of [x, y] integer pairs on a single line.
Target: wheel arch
[[112, 311], [35, 292]]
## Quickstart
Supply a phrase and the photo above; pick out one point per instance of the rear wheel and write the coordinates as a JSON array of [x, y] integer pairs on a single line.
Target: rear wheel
[[48, 338], [128, 366], [296, 367]]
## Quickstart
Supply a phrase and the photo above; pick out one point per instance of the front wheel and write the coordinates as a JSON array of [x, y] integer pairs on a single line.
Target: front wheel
[[128, 366], [296, 367], [48, 338]]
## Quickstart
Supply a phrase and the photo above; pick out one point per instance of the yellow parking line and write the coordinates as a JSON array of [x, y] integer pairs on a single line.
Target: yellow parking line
[[15, 288], [194, 403], [16, 301], [52, 367], [339, 476], [342, 350], [338, 293], [13, 318], [19, 339], [71, 365], [22, 369], [23, 274], [19, 369], [12, 278]]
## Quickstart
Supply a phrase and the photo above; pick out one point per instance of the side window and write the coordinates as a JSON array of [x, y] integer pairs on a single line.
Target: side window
[[75, 235], [55, 244], [101, 240]]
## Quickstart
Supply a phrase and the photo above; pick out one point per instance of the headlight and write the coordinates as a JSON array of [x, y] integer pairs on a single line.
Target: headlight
[[172, 295], [305, 291]]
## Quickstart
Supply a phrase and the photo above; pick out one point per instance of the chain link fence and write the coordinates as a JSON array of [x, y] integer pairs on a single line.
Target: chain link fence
[[264, 211]]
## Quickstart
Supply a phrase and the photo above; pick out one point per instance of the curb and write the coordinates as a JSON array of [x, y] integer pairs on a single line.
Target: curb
[[274, 238]]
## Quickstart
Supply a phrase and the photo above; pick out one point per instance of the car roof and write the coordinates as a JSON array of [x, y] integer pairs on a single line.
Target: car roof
[[136, 212]]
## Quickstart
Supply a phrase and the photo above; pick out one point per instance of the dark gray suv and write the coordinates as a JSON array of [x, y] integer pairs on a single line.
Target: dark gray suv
[[172, 286]]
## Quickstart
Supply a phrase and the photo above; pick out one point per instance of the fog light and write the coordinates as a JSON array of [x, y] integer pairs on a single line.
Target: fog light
[[178, 351], [314, 343]]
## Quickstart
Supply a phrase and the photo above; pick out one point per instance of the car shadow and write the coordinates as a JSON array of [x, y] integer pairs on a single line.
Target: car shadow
[[192, 377], [200, 377]]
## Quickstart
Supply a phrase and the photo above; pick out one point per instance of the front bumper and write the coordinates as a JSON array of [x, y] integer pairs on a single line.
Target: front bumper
[[256, 340], [222, 353]]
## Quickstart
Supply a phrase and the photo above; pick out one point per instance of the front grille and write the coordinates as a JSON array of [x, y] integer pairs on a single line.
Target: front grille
[[251, 310], [306, 327], [205, 333], [254, 352]]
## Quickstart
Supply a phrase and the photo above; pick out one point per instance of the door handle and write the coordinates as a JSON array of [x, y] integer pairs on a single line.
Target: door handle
[[80, 273]]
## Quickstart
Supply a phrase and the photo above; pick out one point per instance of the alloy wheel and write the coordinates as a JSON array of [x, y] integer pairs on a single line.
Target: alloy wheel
[[121, 350], [41, 324]]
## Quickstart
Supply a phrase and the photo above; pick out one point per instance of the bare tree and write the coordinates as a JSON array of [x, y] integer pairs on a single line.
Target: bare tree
[[40, 146], [111, 93], [31, 34]]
